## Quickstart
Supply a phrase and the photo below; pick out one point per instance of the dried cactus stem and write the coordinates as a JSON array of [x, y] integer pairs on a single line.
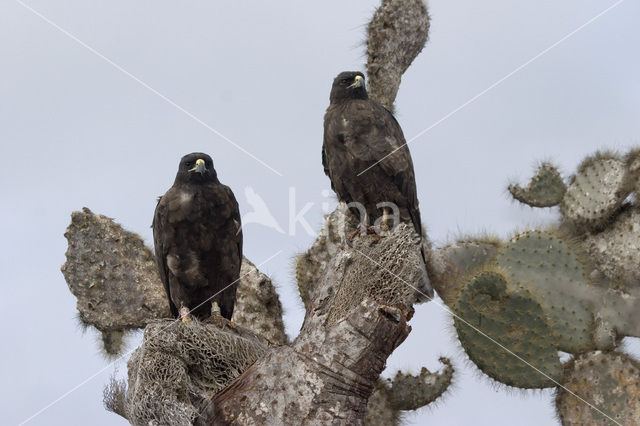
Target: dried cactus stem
[[317, 381], [181, 365]]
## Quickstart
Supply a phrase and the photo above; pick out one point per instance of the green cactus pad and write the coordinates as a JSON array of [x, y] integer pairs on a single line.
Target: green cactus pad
[[409, 392], [514, 320], [610, 381], [545, 189], [462, 258], [406, 392], [596, 191], [547, 266]]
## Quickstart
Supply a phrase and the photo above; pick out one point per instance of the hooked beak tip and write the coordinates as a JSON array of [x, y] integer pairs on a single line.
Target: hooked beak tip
[[199, 167], [358, 81]]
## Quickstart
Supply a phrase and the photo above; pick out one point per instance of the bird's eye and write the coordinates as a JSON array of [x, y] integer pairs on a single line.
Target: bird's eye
[[187, 163], [344, 81]]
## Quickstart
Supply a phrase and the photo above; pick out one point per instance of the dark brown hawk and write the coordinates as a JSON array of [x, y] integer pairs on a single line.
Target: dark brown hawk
[[359, 136], [198, 240]]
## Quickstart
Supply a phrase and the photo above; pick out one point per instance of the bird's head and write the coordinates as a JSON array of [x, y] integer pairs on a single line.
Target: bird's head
[[196, 167], [348, 85]]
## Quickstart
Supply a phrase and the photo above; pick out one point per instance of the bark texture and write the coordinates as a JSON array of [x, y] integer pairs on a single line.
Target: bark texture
[[327, 376], [331, 369], [397, 33]]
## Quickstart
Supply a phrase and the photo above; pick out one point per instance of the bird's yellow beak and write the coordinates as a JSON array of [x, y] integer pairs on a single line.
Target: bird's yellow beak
[[199, 167], [358, 81]]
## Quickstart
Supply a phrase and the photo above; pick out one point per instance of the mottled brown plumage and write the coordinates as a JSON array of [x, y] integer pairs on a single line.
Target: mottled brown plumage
[[198, 240], [358, 132]]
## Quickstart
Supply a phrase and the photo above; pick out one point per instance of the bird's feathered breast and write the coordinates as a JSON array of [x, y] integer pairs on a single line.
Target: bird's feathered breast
[[364, 149], [196, 218], [367, 132]]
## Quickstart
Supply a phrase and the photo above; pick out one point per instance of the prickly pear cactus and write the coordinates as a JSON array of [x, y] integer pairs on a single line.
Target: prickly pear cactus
[[498, 328], [543, 282], [549, 268], [457, 261], [633, 169], [616, 250], [406, 392], [409, 392], [572, 288], [596, 191], [545, 189], [610, 380]]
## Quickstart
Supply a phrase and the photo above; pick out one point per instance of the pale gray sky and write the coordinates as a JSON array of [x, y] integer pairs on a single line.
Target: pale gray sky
[[76, 131]]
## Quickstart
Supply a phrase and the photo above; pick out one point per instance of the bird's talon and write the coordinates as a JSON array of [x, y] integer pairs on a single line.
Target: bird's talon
[[375, 240], [353, 234], [185, 317]]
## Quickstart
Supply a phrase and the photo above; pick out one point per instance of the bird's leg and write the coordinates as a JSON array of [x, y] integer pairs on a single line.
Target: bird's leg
[[353, 234], [378, 235], [366, 228], [363, 228], [382, 226], [386, 217], [215, 309], [184, 314]]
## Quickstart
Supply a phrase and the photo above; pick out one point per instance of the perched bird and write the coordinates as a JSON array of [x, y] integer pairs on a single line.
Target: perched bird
[[365, 155], [198, 240]]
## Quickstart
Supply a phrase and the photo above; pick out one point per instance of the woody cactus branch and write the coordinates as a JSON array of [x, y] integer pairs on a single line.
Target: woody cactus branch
[[397, 33], [331, 369]]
